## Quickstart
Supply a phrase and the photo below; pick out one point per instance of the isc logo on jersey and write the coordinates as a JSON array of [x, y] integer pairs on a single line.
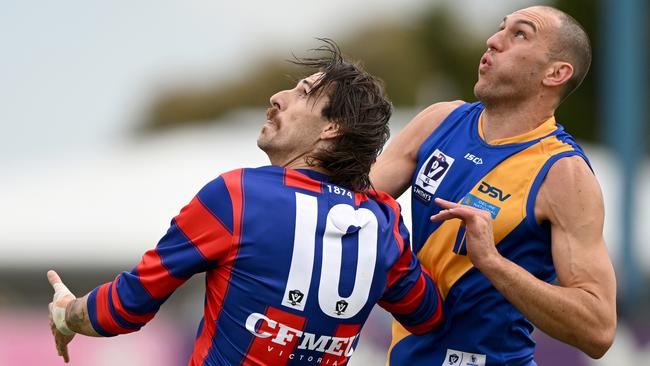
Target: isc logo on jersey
[[432, 172]]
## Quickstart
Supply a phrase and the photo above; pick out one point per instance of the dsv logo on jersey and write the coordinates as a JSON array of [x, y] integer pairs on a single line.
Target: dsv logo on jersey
[[282, 335], [493, 191]]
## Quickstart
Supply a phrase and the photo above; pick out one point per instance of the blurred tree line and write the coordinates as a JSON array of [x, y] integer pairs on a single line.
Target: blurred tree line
[[432, 58]]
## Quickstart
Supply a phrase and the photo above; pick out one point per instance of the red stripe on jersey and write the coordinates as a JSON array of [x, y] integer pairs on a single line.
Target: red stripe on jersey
[[218, 279], [434, 320], [401, 266], [206, 232], [281, 333], [359, 198], [410, 301], [342, 341], [386, 199], [295, 179], [125, 314], [103, 312], [155, 277]]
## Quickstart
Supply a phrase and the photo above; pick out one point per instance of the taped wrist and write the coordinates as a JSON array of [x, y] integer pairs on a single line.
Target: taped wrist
[[58, 312]]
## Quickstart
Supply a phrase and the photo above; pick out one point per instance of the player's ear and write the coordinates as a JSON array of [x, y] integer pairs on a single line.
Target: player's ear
[[558, 73], [330, 131]]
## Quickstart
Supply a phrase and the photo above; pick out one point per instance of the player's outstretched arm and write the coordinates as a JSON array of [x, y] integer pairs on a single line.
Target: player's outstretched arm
[[395, 166], [581, 309]]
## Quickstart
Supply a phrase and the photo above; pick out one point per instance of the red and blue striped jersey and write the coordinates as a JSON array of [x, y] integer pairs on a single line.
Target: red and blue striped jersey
[[294, 265]]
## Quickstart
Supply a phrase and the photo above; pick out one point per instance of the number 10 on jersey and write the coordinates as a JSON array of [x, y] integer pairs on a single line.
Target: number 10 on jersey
[[339, 219]]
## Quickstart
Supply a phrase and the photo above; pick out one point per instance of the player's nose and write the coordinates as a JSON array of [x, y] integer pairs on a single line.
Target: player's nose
[[278, 100], [495, 42]]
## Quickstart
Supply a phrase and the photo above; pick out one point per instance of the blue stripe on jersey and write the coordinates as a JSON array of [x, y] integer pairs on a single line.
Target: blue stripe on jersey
[[135, 298], [402, 286], [118, 318], [351, 243], [181, 258], [403, 231], [425, 310], [216, 199], [92, 314], [568, 139], [537, 183]]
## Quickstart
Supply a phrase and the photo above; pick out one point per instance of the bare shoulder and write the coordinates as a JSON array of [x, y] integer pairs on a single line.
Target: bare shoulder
[[424, 123], [433, 115], [569, 192], [393, 170]]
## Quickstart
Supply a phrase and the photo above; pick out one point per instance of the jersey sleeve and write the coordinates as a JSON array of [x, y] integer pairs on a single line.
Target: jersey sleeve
[[197, 239], [411, 295]]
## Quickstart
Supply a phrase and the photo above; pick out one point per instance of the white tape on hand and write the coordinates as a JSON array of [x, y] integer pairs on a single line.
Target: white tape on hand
[[58, 312], [58, 315]]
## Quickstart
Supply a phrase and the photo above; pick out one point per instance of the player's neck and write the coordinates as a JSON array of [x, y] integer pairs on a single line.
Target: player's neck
[[300, 161], [304, 165], [504, 121]]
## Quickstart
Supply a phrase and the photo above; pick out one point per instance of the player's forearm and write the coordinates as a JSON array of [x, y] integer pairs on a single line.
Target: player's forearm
[[77, 319], [571, 315]]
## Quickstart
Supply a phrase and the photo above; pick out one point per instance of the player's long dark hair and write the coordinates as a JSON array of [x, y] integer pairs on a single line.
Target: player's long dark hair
[[359, 105]]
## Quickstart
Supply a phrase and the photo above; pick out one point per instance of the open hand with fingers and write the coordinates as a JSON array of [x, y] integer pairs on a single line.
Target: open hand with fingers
[[478, 235], [57, 309]]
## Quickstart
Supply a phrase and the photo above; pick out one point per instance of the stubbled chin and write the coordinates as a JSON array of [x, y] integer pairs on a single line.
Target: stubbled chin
[[479, 89]]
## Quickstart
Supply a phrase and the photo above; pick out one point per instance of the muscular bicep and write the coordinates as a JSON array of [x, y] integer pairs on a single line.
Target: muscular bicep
[[395, 166], [571, 200]]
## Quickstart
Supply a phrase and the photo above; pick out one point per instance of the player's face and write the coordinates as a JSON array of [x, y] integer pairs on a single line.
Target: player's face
[[514, 64], [294, 121]]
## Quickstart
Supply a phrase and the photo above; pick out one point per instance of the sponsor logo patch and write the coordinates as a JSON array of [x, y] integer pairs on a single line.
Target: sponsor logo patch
[[472, 200], [493, 191]]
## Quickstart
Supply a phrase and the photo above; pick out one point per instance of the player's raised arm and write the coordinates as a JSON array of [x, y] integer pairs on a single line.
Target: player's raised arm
[[393, 170]]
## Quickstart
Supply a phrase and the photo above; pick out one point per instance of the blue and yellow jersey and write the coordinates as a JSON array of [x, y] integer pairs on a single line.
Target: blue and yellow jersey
[[455, 163]]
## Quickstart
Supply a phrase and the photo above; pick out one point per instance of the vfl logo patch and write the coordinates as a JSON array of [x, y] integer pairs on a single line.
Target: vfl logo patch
[[295, 297], [432, 172], [460, 358], [341, 306]]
